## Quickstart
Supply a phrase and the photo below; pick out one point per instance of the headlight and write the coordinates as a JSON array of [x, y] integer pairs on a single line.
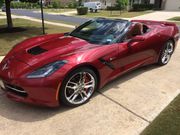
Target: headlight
[[47, 70]]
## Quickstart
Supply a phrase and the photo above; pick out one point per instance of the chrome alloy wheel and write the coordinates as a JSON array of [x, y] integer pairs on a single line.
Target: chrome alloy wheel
[[79, 88], [167, 53]]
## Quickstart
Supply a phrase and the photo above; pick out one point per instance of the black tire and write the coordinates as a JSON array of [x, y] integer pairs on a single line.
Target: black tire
[[160, 60], [91, 10], [62, 97]]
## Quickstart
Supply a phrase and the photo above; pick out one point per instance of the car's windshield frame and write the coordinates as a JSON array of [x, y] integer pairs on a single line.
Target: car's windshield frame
[[125, 25]]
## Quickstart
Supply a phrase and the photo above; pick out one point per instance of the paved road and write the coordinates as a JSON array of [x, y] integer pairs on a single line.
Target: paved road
[[49, 17]]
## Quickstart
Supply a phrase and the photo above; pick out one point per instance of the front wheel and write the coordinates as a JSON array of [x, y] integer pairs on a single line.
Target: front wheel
[[166, 53], [78, 87]]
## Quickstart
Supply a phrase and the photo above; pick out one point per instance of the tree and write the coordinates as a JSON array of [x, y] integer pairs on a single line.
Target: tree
[[121, 4], [1, 3], [8, 12], [80, 2]]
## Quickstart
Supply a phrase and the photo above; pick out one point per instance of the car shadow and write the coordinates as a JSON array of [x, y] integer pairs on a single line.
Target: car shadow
[[127, 76], [29, 113]]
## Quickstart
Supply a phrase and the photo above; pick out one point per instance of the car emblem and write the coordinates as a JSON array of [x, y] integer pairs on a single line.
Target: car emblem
[[5, 66]]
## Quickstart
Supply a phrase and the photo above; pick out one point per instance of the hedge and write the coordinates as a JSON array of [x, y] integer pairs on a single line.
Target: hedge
[[82, 10], [142, 7], [24, 5]]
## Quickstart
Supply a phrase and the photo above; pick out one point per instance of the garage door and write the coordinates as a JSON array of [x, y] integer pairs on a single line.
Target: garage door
[[172, 5]]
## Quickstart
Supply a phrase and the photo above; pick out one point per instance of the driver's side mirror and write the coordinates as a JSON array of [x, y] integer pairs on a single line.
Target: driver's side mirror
[[137, 39]]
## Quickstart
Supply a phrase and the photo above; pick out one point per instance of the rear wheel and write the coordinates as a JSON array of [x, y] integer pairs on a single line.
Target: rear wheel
[[78, 87], [166, 53]]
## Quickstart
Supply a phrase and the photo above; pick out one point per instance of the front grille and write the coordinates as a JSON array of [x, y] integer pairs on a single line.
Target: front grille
[[16, 90]]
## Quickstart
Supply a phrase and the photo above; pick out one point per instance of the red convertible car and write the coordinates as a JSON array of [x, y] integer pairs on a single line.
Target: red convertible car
[[68, 68]]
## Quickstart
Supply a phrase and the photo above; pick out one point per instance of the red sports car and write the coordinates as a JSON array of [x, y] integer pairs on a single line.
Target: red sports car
[[68, 68]]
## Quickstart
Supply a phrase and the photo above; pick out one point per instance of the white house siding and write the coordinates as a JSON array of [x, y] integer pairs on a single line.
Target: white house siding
[[172, 5], [152, 1]]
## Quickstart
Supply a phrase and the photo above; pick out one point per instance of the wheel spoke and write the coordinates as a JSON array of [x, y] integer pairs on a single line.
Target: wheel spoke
[[169, 48], [82, 77], [88, 86], [73, 83], [84, 92], [74, 97], [71, 95], [82, 96], [87, 83], [71, 87]]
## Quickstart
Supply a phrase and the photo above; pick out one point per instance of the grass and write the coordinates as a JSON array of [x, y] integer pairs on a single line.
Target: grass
[[177, 18], [57, 21], [168, 122], [58, 10], [110, 14], [8, 40], [178, 23]]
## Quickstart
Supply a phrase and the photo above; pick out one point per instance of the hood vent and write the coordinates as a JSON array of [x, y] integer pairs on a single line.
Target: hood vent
[[36, 50]]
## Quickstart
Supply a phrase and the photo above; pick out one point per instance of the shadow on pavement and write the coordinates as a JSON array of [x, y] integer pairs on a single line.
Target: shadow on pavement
[[28, 113]]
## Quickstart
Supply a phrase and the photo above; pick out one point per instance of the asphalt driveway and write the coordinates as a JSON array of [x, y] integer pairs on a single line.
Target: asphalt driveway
[[125, 106]]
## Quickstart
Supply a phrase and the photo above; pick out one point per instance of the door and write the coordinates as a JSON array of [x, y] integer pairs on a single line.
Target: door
[[136, 50]]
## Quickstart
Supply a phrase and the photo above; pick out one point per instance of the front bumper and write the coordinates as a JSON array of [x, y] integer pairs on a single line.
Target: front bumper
[[35, 92]]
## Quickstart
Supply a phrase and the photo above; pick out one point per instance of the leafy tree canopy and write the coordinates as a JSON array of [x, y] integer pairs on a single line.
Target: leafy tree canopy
[[121, 3]]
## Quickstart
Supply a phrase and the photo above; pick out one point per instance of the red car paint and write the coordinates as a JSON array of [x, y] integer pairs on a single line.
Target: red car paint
[[78, 52]]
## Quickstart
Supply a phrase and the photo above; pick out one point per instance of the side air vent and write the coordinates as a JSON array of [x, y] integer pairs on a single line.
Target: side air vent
[[36, 50]]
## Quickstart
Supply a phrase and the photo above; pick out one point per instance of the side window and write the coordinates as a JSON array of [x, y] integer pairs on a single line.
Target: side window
[[135, 30]]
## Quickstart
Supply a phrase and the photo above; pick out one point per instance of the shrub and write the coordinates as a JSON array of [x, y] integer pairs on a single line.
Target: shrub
[[82, 10], [72, 4], [56, 4], [25, 5], [1, 3], [113, 8], [121, 4], [142, 7]]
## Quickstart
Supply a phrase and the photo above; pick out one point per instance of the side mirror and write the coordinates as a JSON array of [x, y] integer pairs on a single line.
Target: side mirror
[[137, 39]]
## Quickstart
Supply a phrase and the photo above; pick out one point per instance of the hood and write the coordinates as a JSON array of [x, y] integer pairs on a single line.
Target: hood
[[58, 46]]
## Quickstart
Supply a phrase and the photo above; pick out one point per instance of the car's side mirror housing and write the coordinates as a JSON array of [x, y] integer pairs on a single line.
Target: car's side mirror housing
[[137, 39]]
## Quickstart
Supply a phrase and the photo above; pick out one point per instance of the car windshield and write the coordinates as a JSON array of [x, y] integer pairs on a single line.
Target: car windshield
[[101, 31]]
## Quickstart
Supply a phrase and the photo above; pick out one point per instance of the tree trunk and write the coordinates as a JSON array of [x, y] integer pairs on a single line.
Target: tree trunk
[[8, 14]]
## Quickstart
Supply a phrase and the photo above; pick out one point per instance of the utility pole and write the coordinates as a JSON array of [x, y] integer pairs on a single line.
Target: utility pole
[[42, 17]]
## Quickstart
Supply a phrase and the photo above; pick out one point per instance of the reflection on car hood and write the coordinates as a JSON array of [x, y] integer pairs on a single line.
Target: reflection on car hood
[[57, 46]]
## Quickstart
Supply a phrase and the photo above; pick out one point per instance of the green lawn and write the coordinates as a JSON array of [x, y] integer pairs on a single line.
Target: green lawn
[[168, 122], [58, 10], [109, 14], [177, 18], [8, 40], [178, 23], [69, 23]]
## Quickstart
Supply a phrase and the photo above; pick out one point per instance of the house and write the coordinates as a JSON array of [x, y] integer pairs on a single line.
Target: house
[[159, 4], [170, 4]]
